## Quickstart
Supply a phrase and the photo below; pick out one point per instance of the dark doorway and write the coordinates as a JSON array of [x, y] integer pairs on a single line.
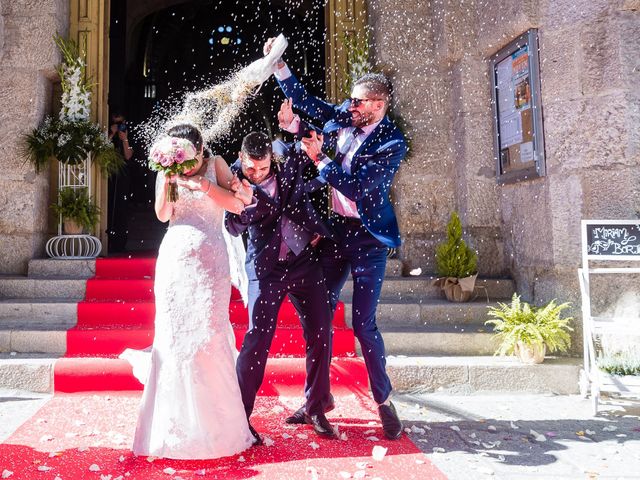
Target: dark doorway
[[173, 49]]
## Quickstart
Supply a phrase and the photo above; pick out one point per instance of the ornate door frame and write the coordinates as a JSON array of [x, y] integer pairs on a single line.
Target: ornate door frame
[[89, 26]]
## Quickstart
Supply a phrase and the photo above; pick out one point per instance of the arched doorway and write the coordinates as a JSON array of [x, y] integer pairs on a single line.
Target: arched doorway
[[186, 46], [119, 36]]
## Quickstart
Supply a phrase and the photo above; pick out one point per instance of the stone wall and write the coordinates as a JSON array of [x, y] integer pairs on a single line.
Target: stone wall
[[28, 57], [437, 55]]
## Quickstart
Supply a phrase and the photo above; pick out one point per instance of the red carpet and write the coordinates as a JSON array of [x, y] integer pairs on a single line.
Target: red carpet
[[74, 432], [86, 435]]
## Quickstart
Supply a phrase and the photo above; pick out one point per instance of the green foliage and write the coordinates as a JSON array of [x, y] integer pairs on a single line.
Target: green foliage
[[75, 204], [521, 322], [357, 48], [454, 258], [620, 363], [70, 142]]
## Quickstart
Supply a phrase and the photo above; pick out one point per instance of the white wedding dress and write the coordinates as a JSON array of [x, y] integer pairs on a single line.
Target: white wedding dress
[[191, 407]]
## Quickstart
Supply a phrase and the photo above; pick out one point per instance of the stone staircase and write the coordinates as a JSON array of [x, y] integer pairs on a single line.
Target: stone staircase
[[431, 343]]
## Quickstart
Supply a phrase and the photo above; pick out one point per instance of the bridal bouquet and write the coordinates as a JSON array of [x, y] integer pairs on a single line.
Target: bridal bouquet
[[172, 156]]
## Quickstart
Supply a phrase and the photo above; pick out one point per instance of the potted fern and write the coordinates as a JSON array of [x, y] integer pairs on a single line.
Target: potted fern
[[528, 331], [456, 264], [77, 210]]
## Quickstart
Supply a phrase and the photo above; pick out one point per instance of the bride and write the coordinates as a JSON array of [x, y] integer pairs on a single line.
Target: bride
[[191, 407]]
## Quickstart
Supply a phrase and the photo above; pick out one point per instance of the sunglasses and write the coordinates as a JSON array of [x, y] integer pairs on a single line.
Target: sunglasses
[[355, 102]]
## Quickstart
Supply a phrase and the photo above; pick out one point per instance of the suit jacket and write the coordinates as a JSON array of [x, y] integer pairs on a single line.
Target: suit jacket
[[373, 165], [262, 221]]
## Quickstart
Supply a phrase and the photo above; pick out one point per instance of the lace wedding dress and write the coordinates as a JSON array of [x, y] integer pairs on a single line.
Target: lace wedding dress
[[191, 406]]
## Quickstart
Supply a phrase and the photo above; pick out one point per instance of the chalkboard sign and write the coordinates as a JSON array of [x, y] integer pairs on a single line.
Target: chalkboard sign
[[611, 239]]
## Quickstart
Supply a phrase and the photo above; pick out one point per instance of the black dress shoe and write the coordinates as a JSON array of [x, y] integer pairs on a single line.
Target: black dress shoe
[[298, 417], [391, 424], [321, 425], [257, 440]]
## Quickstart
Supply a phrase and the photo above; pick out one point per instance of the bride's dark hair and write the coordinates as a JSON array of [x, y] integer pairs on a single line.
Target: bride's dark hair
[[188, 132]]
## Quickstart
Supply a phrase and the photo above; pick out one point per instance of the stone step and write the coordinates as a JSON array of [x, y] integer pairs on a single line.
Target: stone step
[[438, 340], [425, 312], [467, 375], [51, 339], [27, 372], [20, 312], [14, 286], [457, 375], [61, 267], [399, 288]]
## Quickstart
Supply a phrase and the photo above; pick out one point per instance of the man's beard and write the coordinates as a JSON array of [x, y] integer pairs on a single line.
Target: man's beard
[[361, 120]]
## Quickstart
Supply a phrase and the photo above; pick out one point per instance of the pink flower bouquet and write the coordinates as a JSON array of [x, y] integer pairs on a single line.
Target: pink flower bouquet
[[172, 156]]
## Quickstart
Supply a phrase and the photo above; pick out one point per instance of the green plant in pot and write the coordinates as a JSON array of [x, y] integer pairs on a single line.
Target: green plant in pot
[[77, 210], [456, 264], [528, 331]]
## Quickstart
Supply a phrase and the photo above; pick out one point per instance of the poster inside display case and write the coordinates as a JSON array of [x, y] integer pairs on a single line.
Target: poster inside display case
[[518, 131]]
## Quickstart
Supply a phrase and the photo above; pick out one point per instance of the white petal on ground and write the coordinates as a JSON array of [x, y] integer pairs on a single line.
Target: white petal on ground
[[359, 474], [438, 450], [609, 428], [491, 444], [416, 429], [343, 437], [202, 472], [415, 272], [46, 438], [373, 438], [268, 441], [492, 428], [286, 436], [121, 459], [6, 473], [419, 462], [590, 432], [277, 409], [455, 428], [514, 426], [538, 437], [344, 475], [94, 468], [485, 470], [169, 471], [362, 465], [44, 468], [378, 453], [302, 436], [314, 445], [368, 432], [241, 459], [105, 477]]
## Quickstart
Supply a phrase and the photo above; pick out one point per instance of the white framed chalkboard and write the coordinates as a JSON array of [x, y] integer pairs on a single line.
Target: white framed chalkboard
[[611, 239], [517, 108]]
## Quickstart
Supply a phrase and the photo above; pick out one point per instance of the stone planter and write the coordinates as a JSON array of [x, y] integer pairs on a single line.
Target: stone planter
[[530, 354]]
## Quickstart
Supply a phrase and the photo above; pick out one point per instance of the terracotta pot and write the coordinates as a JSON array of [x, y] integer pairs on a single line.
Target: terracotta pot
[[70, 227], [530, 354]]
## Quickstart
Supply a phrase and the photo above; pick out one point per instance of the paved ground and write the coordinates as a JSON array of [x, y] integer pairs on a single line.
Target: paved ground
[[525, 436], [490, 436]]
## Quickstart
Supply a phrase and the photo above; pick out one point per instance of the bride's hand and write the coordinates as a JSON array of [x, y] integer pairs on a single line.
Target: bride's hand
[[242, 191]]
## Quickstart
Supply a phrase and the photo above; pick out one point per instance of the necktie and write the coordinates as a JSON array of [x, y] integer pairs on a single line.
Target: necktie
[[347, 145], [339, 158]]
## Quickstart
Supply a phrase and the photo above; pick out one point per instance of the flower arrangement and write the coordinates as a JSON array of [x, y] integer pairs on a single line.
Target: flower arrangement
[[172, 156], [72, 136]]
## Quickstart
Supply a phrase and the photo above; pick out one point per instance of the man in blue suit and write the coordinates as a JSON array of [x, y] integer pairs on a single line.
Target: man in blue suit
[[281, 222], [369, 149]]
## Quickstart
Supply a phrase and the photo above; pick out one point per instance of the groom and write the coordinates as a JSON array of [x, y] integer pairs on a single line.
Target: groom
[[281, 261], [368, 151]]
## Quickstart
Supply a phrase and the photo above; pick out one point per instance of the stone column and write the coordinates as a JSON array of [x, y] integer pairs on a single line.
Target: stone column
[[28, 57]]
